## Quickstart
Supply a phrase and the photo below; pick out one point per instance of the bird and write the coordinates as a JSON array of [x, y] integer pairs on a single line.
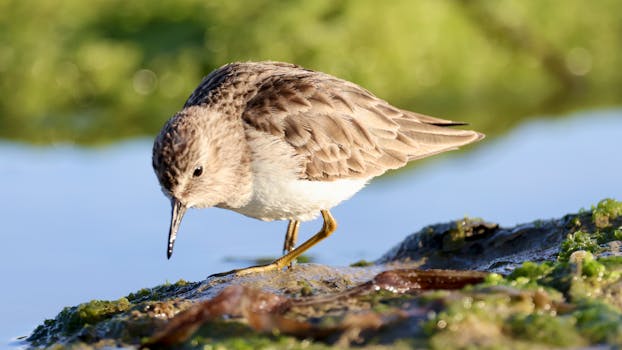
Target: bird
[[276, 141]]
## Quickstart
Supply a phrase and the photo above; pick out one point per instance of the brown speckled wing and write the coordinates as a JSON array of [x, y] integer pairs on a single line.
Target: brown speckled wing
[[342, 129]]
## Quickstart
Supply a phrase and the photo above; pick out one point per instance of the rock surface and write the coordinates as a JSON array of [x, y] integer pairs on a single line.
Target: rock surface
[[463, 284]]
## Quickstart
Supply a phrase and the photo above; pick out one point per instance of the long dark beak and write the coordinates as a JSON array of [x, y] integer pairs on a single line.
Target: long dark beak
[[177, 213]]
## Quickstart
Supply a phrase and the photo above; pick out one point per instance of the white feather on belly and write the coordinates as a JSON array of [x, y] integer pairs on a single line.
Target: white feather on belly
[[296, 199], [279, 194]]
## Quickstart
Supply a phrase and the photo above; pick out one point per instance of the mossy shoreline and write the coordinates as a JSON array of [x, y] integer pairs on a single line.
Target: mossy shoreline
[[569, 296]]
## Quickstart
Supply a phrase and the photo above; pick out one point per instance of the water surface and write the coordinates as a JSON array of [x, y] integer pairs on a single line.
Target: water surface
[[81, 224]]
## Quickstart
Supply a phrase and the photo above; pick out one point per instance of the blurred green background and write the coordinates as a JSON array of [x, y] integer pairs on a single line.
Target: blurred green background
[[97, 71]]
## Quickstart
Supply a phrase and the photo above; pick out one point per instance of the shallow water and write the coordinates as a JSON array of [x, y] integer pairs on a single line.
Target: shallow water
[[92, 224]]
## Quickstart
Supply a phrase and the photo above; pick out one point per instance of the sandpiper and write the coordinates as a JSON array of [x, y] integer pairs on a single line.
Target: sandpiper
[[275, 141]]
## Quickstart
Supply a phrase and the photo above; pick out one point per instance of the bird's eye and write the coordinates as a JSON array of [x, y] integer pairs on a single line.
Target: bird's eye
[[197, 171]]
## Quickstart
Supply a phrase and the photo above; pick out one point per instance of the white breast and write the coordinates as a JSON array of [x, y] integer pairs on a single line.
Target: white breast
[[296, 199], [278, 193]]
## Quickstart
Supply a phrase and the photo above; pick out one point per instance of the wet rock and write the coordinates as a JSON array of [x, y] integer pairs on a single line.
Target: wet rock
[[474, 244], [463, 284], [267, 312]]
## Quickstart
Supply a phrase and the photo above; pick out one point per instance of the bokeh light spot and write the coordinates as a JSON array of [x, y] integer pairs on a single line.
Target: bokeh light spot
[[579, 61], [145, 81]]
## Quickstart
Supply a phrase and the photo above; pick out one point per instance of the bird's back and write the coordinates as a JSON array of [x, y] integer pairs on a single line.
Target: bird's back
[[340, 129]]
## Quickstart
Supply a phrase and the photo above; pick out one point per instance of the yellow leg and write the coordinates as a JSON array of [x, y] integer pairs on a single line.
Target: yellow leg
[[329, 226], [291, 236], [290, 239]]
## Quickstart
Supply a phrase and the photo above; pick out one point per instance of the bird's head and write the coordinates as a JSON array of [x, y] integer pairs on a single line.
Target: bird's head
[[200, 161]]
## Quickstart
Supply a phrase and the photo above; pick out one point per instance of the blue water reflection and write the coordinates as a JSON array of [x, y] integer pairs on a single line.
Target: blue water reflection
[[91, 224]]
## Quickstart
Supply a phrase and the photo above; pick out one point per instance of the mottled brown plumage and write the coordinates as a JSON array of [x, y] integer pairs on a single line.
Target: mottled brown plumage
[[277, 141], [343, 130]]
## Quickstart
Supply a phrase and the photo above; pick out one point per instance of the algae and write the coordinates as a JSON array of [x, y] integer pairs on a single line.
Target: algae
[[605, 211], [555, 303], [565, 304], [578, 241], [544, 328], [571, 301], [362, 263], [161, 292], [233, 334], [603, 226], [72, 319], [599, 322]]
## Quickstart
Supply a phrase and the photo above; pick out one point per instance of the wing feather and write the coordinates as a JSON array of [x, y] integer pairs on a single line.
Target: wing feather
[[342, 130]]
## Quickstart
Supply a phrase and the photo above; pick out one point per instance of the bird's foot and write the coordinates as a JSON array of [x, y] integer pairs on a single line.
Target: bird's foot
[[328, 227], [291, 265], [275, 265]]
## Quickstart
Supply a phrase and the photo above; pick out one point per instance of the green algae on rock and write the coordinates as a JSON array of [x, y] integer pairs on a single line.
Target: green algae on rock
[[606, 211], [550, 283], [538, 303], [572, 301], [124, 321], [598, 231], [73, 319]]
